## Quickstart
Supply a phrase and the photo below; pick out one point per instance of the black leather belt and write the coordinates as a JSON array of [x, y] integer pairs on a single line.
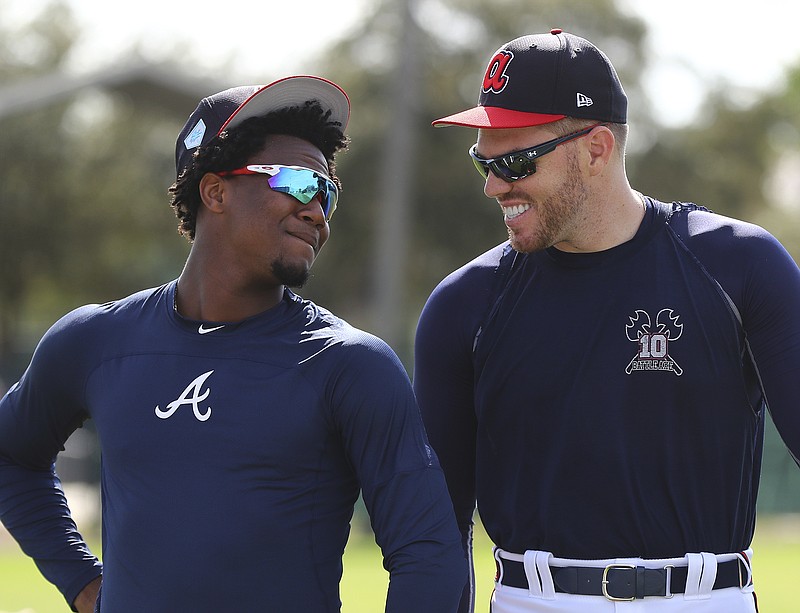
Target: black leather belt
[[623, 581]]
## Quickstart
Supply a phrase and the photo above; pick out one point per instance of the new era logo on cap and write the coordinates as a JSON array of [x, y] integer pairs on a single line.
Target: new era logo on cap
[[584, 100]]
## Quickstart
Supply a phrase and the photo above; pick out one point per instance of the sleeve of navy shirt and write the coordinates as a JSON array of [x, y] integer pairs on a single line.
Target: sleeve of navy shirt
[[401, 480], [443, 383], [32, 504], [371, 404], [763, 281], [758, 275]]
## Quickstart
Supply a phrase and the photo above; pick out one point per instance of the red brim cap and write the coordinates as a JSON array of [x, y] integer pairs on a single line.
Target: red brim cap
[[293, 91], [495, 117], [230, 108]]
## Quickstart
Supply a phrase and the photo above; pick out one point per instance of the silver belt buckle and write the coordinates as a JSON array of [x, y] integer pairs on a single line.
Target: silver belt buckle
[[604, 583]]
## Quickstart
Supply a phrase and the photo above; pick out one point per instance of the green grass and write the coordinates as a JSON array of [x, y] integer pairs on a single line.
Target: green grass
[[777, 551], [776, 554]]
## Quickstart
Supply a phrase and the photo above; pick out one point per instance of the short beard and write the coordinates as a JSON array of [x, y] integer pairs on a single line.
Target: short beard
[[558, 214], [290, 276]]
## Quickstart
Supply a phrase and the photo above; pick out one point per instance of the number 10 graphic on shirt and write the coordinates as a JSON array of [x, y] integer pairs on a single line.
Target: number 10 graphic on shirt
[[653, 341]]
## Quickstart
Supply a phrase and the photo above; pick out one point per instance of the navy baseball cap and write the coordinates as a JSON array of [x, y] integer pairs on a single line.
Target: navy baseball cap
[[230, 108], [541, 78]]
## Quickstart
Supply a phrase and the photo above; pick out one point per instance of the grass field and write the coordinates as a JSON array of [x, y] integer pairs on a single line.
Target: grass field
[[777, 553]]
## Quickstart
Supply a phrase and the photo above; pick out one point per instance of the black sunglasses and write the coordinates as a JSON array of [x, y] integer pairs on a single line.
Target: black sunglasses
[[520, 164]]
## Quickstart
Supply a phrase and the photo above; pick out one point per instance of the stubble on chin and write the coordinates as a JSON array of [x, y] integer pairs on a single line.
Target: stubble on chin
[[557, 215], [294, 276], [529, 245]]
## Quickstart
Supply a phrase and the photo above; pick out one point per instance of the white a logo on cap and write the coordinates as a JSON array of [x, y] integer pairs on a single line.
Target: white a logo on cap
[[584, 100], [195, 137]]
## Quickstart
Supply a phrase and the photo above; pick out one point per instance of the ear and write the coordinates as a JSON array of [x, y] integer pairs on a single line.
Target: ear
[[600, 145], [212, 192]]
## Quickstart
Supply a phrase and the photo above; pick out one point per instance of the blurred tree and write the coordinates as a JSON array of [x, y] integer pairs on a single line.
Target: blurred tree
[[83, 203], [725, 163], [452, 221], [780, 179], [93, 223], [741, 160], [108, 237], [721, 164], [28, 234]]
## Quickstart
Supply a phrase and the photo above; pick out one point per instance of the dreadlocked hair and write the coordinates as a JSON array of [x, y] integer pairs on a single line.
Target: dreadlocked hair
[[233, 148]]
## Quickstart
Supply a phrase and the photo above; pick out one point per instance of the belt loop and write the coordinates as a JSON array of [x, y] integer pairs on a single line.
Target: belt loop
[[498, 564], [537, 571], [709, 575], [694, 573], [640, 582], [702, 573], [745, 579], [543, 565]]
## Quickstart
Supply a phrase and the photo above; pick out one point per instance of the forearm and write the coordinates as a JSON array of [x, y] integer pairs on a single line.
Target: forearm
[[415, 528], [439, 580], [430, 585], [87, 598], [35, 512]]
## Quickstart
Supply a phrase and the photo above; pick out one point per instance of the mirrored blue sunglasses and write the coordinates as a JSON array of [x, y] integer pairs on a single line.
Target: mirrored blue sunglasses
[[301, 183]]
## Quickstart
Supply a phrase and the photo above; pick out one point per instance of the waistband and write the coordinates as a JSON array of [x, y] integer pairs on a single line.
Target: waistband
[[694, 575]]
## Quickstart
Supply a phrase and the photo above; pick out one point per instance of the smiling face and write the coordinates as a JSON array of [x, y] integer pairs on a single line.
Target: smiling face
[[546, 208], [270, 237]]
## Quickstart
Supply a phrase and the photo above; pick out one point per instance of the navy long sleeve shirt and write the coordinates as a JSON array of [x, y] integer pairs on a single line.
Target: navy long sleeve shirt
[[611, 404], [232, 456]]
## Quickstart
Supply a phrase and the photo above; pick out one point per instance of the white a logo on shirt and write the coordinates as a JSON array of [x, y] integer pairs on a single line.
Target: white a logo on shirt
[[194, 400]]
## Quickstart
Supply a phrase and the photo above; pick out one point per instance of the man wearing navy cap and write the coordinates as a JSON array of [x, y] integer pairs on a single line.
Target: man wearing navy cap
[[599, 382], [238, 422]]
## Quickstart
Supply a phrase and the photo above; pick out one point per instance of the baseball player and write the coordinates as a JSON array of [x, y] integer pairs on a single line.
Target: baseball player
[[599, 382], [238, 422]]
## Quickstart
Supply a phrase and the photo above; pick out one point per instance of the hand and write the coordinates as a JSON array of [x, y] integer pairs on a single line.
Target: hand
[[87, 598]]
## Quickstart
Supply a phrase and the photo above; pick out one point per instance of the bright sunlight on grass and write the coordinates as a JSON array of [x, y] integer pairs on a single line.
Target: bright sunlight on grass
[[777, 550]]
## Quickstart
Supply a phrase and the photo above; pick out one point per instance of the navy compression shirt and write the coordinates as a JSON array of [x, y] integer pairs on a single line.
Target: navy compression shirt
[[232, 456], [603, 405]]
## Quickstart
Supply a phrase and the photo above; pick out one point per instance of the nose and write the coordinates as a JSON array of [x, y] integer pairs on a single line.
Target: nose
[[495, 186], [312, 212]]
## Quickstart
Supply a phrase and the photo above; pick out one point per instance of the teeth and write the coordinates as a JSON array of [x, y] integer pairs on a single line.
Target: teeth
[[510, 212]]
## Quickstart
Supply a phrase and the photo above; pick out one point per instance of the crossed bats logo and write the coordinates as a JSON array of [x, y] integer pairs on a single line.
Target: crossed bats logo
[[653, 341]]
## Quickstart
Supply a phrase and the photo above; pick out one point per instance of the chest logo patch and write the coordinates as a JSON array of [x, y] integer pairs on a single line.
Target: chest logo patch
[[190, 396], [496, 79], [652, 340]]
